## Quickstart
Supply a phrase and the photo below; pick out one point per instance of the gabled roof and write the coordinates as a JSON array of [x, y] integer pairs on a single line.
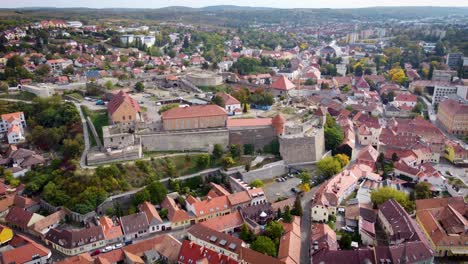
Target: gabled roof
[[174, 213], [283, 83], [228, 99], [74, 238], [225, 222], [193, 112], [151, 214], [134, 223], [193, 253], [12, 117], [121, 98], [249, 122]]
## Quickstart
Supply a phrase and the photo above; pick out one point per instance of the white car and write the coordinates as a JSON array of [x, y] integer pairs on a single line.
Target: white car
[[107, 249], [119, 245], [347, 229]]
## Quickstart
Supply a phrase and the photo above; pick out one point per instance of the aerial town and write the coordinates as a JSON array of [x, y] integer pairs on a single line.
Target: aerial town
[[233, 135]]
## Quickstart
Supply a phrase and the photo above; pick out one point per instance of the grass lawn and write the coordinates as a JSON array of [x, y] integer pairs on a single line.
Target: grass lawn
[[216, 89], [78, 97], [99, 119], [26, 96]]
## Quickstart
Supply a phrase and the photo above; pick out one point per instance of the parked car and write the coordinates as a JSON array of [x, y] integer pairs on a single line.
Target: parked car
[[95, 253], [294, 190], [119, 245], [347, 229], [107, 249], [100, 102]]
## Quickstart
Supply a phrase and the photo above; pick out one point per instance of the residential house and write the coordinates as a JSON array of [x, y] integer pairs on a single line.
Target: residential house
[[58, 65], [41, 227], [231, 104], [406, 100], [211, 207], [155, 222], [12, 126], [217, 241], [290, 242], [444, 223], [134, 226], [193, 253], [76, 241], [368, 156], [179, 218], [21, 219], [281, 86], [398, 224], [123, 109], [421, 173], [322, 238], [226, 223], [20, 249], [112, 230], [21, 160]]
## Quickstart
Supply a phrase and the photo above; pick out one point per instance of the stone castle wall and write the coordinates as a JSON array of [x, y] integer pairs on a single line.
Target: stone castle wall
[[202, 140], [302, 149], [257, 136]]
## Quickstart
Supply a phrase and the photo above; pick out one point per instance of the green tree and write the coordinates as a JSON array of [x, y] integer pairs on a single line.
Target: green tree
[[109, 85], [235, 150], [248, 149], [274, 230], [141, 196], [218, 100], [227, 162], [305, 177], [257, 183], [297, 209], [265, 245], [157, 191], [43, 70], [287, 217], [333, 133], [345, 241], [217, 151], [394, 157], [139, 87], [381, 195], [343, 159], [328, 167], [203, 161], [164, 108], [246, 234], [422, 190]]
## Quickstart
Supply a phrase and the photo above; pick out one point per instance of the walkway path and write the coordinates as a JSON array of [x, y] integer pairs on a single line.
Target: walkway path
[[86, 137]]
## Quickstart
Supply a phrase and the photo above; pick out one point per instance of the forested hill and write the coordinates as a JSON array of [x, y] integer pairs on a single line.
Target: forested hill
[[229, 15]]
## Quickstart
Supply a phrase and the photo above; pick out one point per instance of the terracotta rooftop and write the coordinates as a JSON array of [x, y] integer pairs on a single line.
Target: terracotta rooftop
[[249, 122], [283, 83], [225, 222], [228, 99], [193, 253], [121, 98], [193, 112]]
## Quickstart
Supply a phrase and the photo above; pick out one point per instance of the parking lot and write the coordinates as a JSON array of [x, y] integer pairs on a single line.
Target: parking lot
[[275, 190], [458, 172]]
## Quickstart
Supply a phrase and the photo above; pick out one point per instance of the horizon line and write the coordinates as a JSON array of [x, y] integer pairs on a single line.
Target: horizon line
[[240, 6]]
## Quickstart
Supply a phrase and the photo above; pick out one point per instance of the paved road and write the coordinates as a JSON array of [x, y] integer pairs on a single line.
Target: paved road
[[305, 225], [15, 100], [86, 137]]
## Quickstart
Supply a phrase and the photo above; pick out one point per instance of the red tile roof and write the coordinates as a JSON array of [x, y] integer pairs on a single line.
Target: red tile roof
[[225, 222], [193, 253], [405, 97], [120, 98], [228, 99], [193, 112], [249, 122], [282, 83]]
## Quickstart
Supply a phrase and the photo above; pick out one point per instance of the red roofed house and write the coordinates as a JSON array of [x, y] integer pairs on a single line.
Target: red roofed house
[[281, 86], [231, 104], [155, 222], [179, 218], [12, 125], [405, 99], [362, 84], [124, 109], [191, 253], [194, 117], [209, 208], [23, 250]]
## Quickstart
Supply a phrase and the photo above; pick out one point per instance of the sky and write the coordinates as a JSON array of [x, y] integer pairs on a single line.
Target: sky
[[203, 3]]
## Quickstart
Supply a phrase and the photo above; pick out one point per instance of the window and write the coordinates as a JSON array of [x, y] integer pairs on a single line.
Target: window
[[130, 117], [123, 117]]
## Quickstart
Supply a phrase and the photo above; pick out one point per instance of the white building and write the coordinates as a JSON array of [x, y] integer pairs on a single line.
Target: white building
[[12, 125], [74, 24]]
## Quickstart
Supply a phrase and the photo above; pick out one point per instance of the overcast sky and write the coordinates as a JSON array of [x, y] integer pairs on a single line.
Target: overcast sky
[[202, 3]]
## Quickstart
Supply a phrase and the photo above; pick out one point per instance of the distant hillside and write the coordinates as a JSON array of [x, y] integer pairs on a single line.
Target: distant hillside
[[233, 16]]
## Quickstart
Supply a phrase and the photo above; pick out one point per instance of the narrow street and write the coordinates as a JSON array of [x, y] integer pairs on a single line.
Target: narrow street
[[306, 224]]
